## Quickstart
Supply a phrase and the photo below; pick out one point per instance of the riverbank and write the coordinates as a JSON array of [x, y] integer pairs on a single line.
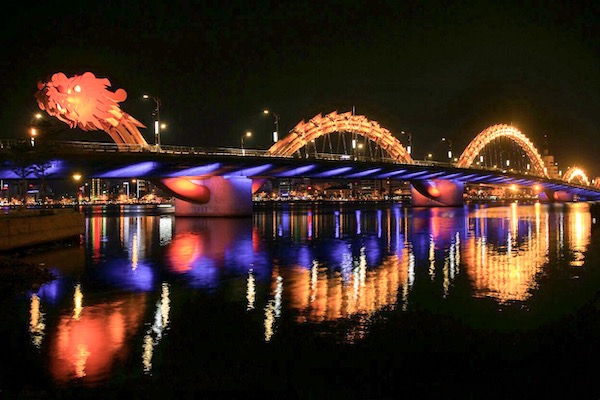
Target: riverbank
[[17, 276]]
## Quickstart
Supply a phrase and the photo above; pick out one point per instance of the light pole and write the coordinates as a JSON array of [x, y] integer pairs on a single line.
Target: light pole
[[449, 147], [33, 134], [409, 146], [247, 134], [276, 133], [77, 178], [156, 114]]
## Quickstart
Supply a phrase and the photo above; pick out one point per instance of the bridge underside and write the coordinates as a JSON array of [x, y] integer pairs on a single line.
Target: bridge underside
[[218, 177]]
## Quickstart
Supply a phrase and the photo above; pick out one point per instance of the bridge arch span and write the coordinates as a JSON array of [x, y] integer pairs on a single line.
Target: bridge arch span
[[575, 173], [320, 125], [502, 130]]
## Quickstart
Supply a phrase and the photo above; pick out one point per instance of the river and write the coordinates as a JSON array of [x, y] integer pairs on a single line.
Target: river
[[352, 300]]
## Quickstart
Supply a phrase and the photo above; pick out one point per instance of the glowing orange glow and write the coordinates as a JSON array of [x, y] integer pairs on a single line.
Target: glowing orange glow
[[319, 296], [184, 250], [87, 348], [187, 189], [494, 132], [83, 101], [576, 173], [319, 125], [434, 191], [505, 276]]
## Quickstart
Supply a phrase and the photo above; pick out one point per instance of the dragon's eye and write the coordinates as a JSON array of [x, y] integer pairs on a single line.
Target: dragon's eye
[[77, 88]]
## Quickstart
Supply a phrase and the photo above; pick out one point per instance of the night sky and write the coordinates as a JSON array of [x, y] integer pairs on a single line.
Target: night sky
[[435, 69]]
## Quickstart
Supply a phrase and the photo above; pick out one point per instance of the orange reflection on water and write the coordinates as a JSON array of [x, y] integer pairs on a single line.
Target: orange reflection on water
[[184, 250], [88, 347], [319, 295], [507, 275], [579, 231]]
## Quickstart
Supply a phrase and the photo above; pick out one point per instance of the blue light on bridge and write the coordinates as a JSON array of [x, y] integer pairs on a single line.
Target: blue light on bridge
[[129, 171], [297, 171], [197, 171], [334, 172], [364, 173], [249, 171], [393, 173]]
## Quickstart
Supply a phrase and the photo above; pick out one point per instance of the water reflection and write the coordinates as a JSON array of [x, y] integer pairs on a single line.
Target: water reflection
[[87, 343], [155, 333], [335, 269]]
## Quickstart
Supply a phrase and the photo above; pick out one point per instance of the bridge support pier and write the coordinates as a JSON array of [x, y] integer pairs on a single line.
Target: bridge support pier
[[437, 193], [550, 196], [221, 197]]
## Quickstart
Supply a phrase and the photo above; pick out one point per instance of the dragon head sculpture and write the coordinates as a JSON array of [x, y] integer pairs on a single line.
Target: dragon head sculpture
[[84, 101]]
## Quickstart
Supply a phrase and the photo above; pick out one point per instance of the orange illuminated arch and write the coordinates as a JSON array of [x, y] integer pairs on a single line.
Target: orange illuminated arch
[[320, 125], [502, 130], [576, 173]]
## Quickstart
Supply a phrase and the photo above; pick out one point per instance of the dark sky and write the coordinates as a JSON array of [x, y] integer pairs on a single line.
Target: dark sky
[[436, 69]]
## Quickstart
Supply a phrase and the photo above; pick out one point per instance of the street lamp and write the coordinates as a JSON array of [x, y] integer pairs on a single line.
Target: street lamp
[[276, 133], [156, 114], [33, 134], [409, 146], [247, 134], [449, 147], [77, 178]]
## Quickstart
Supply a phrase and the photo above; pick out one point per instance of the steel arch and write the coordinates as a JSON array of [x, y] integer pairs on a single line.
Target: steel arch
[[502, 130], [320, 125]]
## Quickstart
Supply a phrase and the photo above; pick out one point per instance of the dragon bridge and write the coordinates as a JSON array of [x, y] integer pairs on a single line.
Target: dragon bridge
[[320, 125]]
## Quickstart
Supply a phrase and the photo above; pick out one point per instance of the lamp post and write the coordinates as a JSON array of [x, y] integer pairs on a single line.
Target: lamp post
[[156, 114], [449, 148], [77, 178], [276, 133], [247, 134], [409, 146], [33, 134]]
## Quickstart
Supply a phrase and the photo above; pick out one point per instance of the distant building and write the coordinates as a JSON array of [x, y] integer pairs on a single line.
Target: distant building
[[551, 165]]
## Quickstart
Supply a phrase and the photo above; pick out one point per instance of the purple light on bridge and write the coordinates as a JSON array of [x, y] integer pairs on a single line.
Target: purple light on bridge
[[197, 171], [415, 174], [334, 172], [364, 173], [455, 176], [393, 173], [431, 176], [297, 171], [249, 171], [131, 171]]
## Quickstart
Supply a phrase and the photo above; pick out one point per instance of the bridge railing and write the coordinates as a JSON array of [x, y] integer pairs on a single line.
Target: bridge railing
[[109, 147]]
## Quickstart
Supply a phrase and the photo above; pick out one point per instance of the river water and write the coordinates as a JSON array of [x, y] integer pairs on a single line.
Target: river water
[[351, 300]]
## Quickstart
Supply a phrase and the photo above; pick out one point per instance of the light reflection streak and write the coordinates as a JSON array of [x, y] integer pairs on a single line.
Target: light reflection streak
[[36, 322], [77, 302], [161, 322], [431, 257], [250, 291], [165, 230]]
